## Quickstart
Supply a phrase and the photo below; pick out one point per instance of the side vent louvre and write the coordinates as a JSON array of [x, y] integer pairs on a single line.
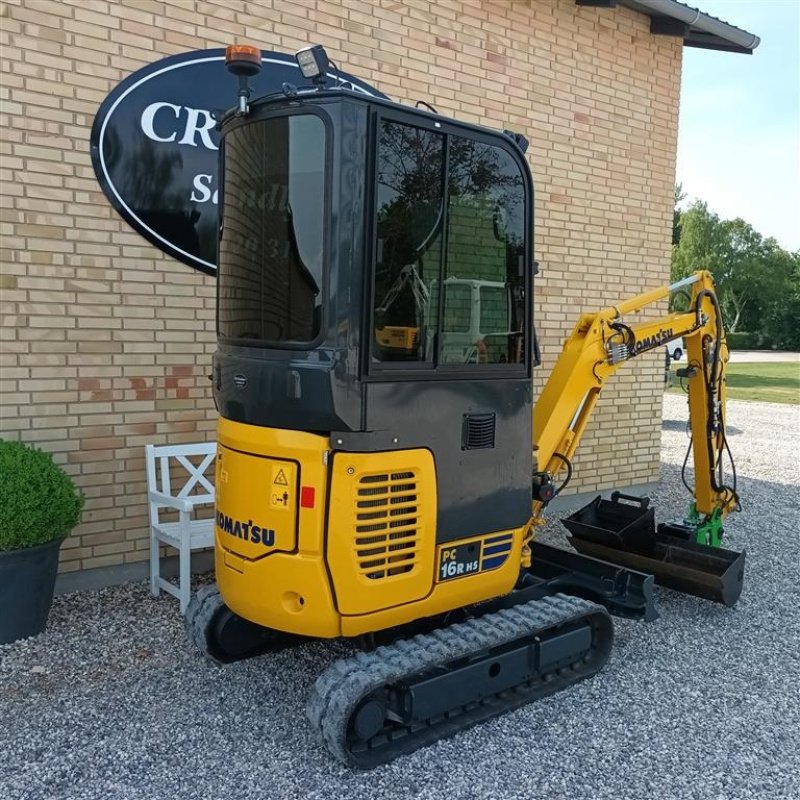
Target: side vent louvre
[[387, 524], [477, 432]]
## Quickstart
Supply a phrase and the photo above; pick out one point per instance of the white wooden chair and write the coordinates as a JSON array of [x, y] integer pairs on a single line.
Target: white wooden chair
[[169, 466]]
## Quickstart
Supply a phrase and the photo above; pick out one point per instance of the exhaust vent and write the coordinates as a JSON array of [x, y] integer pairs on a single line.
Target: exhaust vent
[[387, 524], [477, 432]]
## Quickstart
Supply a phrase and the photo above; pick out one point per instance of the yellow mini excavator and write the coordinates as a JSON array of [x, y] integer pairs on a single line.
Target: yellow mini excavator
[[382, 466]]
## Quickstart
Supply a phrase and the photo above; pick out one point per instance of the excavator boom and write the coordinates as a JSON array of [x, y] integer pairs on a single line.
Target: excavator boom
[[686, 556], [601, 343]]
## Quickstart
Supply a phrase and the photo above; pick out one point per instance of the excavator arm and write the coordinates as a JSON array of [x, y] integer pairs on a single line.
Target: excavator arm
[[598, 346]]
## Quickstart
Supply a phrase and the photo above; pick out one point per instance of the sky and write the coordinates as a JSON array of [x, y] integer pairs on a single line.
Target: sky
[[739, 133]]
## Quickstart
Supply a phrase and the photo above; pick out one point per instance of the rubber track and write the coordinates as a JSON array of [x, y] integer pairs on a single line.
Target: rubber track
[[199, 613], [339, 690]]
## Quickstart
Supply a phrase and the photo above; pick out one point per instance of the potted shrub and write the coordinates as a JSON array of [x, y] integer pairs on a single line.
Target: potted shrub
[[39, 506]]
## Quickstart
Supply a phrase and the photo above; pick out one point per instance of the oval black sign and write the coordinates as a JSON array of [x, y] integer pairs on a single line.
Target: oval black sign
[[154, 147]]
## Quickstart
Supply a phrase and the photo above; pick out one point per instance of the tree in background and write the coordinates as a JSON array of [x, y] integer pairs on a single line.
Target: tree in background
[[782, 318], [680, 196], [758, 282]]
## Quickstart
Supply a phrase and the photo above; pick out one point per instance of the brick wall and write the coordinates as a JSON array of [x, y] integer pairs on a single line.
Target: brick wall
[[106, 342]]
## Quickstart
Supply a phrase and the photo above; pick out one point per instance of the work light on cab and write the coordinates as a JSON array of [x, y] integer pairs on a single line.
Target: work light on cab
[[313, 62]]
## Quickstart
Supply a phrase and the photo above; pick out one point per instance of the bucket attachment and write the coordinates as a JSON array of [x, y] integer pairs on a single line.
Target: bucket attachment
[[614, 524], [625, 534]]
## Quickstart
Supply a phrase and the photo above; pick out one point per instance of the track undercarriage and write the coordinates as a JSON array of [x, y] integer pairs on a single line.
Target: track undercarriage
[[224, 637], [436, 677], [376, 706], [427, 680]]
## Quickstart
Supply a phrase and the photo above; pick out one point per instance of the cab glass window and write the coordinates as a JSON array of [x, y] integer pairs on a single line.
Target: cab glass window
[[450, 251], [408, 247], [270, 278], [484, 281]]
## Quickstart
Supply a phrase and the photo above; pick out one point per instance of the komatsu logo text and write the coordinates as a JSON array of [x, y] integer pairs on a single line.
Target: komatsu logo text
[[664, 335], [246, 530]]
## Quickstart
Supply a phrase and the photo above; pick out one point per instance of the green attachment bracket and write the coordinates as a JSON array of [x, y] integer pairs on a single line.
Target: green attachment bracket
[[707, 530]]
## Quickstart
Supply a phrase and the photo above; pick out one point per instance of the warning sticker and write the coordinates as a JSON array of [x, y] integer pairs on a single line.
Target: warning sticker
[[280, 496], [279, 499], [280, 478]]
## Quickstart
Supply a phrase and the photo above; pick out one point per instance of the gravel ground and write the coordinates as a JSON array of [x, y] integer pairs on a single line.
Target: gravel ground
[[704, 703]]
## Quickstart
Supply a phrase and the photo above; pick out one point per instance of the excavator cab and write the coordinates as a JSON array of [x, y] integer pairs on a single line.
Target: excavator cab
[[375, 276]]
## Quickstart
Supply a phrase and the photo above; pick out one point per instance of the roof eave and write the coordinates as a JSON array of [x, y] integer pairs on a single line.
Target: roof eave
[[711, 42], [692, 25]]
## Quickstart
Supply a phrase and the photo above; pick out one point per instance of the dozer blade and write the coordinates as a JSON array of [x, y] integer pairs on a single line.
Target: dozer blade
[[624, 592], [618, 533]]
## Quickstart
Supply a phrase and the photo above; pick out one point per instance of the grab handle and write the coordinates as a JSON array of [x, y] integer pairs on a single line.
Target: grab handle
[[644, 502]]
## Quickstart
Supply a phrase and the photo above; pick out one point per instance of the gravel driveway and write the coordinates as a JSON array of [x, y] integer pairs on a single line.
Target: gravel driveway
[[704, 703]]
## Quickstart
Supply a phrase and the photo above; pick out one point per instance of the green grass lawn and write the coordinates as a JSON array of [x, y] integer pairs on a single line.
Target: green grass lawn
[[768, 383]]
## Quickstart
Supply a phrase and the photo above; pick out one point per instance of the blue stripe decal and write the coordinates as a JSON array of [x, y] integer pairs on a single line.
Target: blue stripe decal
[[491, 563], [498, 548], [506, 537]]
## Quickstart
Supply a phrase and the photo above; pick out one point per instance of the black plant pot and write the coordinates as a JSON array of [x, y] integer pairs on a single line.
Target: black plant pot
[[27, 580]]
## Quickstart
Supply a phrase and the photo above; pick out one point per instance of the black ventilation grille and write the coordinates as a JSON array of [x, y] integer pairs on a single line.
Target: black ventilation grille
[[477, 433], [387, 524]]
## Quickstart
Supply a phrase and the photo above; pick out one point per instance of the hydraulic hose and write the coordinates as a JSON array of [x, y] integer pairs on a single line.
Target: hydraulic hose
[[712, 381]]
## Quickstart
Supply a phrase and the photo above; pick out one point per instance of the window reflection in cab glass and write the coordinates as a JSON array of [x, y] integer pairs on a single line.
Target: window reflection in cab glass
[[409, 242], [484, 285], [270, 279]]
